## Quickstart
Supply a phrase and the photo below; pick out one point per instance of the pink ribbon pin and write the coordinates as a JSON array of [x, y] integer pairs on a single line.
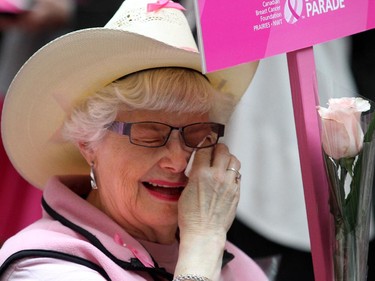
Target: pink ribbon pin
[[144, 259], [160, 4]]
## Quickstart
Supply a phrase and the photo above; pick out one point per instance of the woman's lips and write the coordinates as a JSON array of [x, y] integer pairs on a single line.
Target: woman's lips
[[165, 192]]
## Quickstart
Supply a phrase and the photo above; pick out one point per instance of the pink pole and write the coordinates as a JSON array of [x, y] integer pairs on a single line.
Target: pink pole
[[303, 83]]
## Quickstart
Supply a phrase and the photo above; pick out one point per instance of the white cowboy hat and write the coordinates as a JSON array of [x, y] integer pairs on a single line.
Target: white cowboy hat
[[77, 64]]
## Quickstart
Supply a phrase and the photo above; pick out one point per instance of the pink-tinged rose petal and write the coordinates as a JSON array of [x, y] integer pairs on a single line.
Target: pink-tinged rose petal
[[342, 135], [362, 105], [352, 104], [335, 138]]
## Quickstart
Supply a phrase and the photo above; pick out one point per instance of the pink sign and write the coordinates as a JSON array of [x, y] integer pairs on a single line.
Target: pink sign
[[234, 32]]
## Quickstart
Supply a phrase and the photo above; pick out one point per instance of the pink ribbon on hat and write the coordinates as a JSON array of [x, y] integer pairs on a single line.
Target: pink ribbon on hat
[[160, 4]]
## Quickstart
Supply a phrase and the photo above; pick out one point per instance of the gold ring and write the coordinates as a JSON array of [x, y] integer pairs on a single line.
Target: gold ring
[[238, 174]]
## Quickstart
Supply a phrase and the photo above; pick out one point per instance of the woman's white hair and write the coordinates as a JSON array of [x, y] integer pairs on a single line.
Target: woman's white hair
[[178, 90]]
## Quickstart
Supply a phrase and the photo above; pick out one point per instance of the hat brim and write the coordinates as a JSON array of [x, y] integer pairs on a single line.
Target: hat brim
[[66, 71]]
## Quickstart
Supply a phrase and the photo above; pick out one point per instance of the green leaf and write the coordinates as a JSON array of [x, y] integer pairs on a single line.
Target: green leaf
[[370, 130], [351, 202], [347, 163]]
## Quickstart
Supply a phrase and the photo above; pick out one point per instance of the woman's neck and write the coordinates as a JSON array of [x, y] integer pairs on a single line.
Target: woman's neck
[[165, 234]]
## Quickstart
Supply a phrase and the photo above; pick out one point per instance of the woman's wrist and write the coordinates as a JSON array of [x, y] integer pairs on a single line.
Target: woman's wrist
[[200, 255]]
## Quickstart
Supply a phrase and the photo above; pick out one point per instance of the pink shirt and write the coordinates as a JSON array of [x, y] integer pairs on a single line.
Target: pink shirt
[[73, 226]]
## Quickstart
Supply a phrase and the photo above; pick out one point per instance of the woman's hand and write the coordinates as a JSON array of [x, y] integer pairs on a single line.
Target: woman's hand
[[208, 204], [206, 210]]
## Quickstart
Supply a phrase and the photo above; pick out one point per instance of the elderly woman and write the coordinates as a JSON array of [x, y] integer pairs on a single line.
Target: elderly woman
[[121, 130]]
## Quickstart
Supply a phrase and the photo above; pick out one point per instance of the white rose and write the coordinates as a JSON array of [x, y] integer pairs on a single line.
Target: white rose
[[342, 135]]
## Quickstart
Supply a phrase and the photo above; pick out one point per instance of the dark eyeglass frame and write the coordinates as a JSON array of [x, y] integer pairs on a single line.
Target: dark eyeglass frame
[[124, 128]]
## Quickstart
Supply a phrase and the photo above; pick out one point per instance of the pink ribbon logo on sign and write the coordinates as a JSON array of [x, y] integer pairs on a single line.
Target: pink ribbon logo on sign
[[293, 10]]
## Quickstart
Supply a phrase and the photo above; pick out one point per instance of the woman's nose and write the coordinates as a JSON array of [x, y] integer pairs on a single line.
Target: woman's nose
[[177, 153]]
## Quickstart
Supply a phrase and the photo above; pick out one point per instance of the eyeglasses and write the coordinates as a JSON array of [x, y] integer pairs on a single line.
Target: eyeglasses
[[156, 134]]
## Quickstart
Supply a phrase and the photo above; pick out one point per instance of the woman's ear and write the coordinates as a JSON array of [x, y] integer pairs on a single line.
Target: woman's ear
[[87, 152]]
